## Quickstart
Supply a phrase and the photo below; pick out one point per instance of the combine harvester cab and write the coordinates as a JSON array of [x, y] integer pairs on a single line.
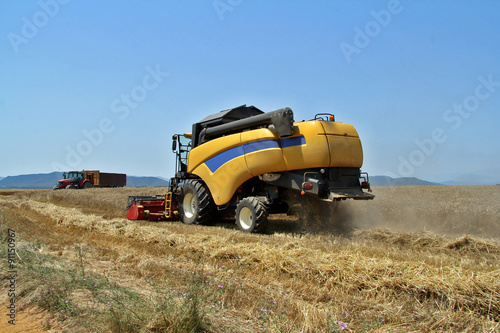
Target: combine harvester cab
[[243, 161]]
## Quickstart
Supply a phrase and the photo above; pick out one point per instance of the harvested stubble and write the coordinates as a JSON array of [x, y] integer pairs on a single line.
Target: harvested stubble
[[415, 281]]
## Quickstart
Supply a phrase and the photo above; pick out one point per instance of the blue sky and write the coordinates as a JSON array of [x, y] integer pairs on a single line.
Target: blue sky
[[105, 84]]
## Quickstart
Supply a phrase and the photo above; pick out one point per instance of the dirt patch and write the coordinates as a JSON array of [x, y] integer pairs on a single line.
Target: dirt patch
[[30, 320]]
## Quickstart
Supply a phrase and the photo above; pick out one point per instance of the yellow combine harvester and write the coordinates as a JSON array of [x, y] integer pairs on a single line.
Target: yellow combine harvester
[[242, 161]]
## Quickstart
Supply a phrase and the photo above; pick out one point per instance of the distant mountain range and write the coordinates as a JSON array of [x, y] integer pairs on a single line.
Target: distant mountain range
[[48, 180], [403, 181], [491, 178], [133, 181], [35, 181]]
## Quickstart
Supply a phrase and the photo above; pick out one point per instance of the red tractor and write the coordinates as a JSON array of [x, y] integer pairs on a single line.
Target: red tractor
[[73, 180]]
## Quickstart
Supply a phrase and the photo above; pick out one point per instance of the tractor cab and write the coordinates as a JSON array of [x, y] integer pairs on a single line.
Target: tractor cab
[[77, 176]]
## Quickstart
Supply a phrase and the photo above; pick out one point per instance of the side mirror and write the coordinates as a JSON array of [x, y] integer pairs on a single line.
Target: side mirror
[[174, 143], [64, 175]]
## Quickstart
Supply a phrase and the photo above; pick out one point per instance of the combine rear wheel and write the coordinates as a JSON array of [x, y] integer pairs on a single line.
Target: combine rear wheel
[[251, 215], [195, 205]]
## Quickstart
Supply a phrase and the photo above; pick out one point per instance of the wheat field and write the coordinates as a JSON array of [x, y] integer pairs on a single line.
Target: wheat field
[[415, 259]]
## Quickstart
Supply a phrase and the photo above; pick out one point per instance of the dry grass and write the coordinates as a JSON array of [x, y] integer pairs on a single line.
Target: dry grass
[[299, 276]]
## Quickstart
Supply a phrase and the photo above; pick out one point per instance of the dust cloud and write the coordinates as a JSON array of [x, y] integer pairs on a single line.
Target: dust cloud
[[445, 210]]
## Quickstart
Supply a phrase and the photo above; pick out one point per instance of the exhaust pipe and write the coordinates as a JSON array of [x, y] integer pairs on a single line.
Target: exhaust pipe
[[282, 120]]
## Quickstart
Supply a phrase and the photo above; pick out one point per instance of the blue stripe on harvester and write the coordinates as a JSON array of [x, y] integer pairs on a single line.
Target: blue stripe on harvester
[[260, 145], [290, 142], [218, 160]]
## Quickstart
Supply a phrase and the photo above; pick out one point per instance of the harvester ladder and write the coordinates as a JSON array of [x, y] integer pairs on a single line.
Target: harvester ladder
[[168, 204]]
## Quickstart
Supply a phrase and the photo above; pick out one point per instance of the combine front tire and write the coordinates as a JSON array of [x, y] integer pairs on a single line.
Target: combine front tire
[[71, 187], [251, 215], [195, 205]]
